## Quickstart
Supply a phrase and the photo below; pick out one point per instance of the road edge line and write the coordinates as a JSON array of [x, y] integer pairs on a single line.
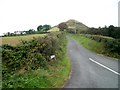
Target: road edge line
[[104, 66]]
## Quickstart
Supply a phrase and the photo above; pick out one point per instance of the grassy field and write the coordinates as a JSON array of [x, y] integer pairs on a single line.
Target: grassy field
[[14, 40], [55, 29], [98, 47]]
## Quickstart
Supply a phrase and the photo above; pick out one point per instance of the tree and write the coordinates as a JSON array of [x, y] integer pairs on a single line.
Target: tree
[[111, 30], [46, 27], [31, 31], [62, 26], [8, 33], [39, 28]]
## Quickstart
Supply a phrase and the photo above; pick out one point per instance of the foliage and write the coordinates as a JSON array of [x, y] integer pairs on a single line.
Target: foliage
[[44, 28], [99, 44], [40, 30], [30, 55], [110, 31], [98, 38], [111, 44], [62, 26], [30, 31]]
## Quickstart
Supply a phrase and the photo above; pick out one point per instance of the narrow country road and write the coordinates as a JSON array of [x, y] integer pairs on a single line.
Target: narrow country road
[[90, 70]]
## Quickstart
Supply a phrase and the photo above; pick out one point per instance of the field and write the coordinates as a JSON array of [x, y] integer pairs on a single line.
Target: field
[[14, 40], [55, 29]]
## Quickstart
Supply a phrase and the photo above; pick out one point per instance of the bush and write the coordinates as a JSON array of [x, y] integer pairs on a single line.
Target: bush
[[98, 38], [111, 44], [31, 55]]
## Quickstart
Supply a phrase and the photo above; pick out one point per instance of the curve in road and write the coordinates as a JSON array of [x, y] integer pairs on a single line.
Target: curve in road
[[90, 70]]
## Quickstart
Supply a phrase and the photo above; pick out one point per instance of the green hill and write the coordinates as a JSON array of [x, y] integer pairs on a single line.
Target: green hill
[[76, 25]]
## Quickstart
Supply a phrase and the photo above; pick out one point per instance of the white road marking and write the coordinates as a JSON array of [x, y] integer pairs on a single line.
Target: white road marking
[[104, 66]]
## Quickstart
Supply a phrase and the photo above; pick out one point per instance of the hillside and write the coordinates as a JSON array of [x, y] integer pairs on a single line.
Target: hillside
[[54, 29], [76, 25]]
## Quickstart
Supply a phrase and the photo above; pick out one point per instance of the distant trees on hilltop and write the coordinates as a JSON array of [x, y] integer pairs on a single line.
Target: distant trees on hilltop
[[40, 29], [110, 31], [62, 26], [43, 28]]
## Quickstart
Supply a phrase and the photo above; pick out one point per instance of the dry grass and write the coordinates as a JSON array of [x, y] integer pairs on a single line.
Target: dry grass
[[55, 29], [16, 39]]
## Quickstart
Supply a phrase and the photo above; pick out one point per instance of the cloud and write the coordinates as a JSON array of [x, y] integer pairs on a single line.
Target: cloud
[[26, 14]]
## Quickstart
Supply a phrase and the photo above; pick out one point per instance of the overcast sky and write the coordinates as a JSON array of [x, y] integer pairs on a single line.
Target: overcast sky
[[19, 15]]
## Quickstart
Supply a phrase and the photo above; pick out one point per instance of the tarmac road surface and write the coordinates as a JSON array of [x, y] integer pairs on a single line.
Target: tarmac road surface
[[90, 70]]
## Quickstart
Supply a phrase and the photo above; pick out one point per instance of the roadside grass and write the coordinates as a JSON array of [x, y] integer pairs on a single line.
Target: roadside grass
[[98, 47], [54, 77], [14, 40], [89, 44]]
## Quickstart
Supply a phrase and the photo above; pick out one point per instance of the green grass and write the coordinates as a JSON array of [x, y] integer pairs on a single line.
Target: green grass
[[14, 40], [54, 77], [89, 44], [94, 46]]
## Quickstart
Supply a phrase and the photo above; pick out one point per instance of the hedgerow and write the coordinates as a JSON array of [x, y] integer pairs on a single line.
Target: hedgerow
[[30, 55], [111, 44]]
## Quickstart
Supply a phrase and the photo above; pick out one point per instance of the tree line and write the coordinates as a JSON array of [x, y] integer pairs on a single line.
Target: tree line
[[40, 29], [110, 31]]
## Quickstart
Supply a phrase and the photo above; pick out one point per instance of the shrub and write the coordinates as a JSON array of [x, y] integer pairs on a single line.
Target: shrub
[[111, 44], [62, 26], [31, 55]]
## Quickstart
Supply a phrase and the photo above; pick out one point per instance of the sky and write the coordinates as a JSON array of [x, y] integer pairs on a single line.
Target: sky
[[20, 15]]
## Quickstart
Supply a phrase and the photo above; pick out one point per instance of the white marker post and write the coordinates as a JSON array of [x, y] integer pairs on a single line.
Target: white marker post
[[52, 56]]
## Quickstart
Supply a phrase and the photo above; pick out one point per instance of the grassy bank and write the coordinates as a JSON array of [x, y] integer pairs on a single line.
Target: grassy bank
[[53, 77], [29, 65], [98, 47]]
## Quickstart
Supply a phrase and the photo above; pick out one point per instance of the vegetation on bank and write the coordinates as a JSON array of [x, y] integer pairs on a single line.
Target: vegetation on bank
[[105, 40], [110, 31], [99, 44], [29, 64], [111, 44]]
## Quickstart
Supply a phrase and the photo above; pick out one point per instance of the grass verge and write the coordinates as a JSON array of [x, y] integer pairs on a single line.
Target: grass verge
[[51, 74], [98, 47], [54, 77]]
